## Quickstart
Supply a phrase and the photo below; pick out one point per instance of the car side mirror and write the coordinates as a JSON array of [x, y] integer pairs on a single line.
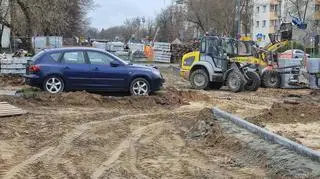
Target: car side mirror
[[115, 63]]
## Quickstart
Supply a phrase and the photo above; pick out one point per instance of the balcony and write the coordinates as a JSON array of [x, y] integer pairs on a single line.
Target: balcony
[[273, 29], [274, 15], [316, 15], [274, 2]]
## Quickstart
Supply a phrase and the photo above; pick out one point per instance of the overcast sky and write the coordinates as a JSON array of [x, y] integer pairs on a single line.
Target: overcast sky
[[109, 13]]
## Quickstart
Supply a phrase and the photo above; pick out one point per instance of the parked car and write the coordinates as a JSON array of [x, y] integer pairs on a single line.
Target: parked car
[[295, 53], [91, 69]]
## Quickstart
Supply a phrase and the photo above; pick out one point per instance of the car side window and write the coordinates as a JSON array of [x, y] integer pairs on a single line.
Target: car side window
[[73, 58], [55, 56], [97, 58]]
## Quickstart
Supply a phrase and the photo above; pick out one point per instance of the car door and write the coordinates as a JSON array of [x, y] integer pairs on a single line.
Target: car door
[[76, 69], [104, 75]]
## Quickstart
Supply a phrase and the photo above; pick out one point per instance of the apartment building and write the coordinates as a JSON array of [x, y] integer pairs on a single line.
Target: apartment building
[[268, 15]]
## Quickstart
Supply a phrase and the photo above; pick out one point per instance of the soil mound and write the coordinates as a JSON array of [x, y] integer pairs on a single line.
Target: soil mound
[[289, 113], [206, 128], [171, 98]]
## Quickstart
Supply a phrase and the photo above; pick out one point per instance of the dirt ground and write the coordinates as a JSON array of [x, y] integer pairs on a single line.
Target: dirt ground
[[170, 134], [7, 82]]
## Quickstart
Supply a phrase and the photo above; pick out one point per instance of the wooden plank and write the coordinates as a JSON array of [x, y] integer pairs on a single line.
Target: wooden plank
[[7, 110]]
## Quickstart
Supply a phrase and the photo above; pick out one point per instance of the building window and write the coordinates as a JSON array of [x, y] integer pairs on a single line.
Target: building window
[[264, 9], [258, 9], [257, 23], [274, 8], [273, 23], [317, 7], [317, 22], [264, 23]]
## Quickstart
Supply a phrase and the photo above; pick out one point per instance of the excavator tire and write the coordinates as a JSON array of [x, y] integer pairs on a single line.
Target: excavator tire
[[199, 79], [235, 82], [254, 81], [271, 79]]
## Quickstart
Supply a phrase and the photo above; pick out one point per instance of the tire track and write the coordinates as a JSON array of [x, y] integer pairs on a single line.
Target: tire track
[[125, 145], [53, 155], [21, 169]]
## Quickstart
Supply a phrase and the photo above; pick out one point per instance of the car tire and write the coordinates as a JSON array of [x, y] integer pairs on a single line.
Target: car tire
[[235, 82], [254, 81], [199, 79], [140, 87], [271, 79], [53, 84]]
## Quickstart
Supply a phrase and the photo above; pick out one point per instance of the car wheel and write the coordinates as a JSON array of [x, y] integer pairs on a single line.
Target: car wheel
[[140, 87], [235, 82], [199, 79], [53, 84], [254, 81]]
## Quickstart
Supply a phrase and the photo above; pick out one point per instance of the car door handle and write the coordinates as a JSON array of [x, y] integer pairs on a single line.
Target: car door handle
[[96, 69], [67, 68]]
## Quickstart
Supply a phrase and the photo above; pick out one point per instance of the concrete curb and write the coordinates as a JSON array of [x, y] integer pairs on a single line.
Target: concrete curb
[[269, 136]]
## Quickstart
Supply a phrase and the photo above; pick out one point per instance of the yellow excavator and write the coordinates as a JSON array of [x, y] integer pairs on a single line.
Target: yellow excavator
[[247, 52]]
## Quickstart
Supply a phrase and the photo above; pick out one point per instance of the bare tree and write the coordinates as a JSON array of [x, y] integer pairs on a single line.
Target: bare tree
[[299, 8], [4, 16], [42, 17], [246, 15], [212, 15]]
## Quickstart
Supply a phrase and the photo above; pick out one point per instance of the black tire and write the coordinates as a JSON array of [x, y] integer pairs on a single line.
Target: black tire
[[135, 82], [271, 79], [215, 85], [235, 82], [199, 79], [59, 84], [254, 81]]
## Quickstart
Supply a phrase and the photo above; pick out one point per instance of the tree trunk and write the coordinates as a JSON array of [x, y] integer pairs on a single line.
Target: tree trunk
[[27, 41], [1, 34]]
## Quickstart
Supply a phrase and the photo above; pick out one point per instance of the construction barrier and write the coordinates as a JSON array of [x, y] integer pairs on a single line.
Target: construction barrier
[[13, 65], [162, 52]]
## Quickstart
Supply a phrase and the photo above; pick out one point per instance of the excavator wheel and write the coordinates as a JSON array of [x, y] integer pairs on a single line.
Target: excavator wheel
[[199, 79], [235, 82], [254, 81], [271, 79]]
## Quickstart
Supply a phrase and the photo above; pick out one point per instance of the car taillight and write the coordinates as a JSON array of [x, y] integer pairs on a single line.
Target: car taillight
[[34, 68]]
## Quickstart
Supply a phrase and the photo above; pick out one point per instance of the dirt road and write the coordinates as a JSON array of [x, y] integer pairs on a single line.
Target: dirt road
[[168, 135]]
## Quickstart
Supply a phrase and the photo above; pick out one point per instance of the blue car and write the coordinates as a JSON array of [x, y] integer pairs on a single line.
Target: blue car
[[57, 70]]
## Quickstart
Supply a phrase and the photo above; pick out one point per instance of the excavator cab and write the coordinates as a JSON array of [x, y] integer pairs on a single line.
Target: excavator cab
[[211, 48]]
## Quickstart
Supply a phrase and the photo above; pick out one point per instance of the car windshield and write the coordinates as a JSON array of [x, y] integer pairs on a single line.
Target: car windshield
[[119, 59]]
